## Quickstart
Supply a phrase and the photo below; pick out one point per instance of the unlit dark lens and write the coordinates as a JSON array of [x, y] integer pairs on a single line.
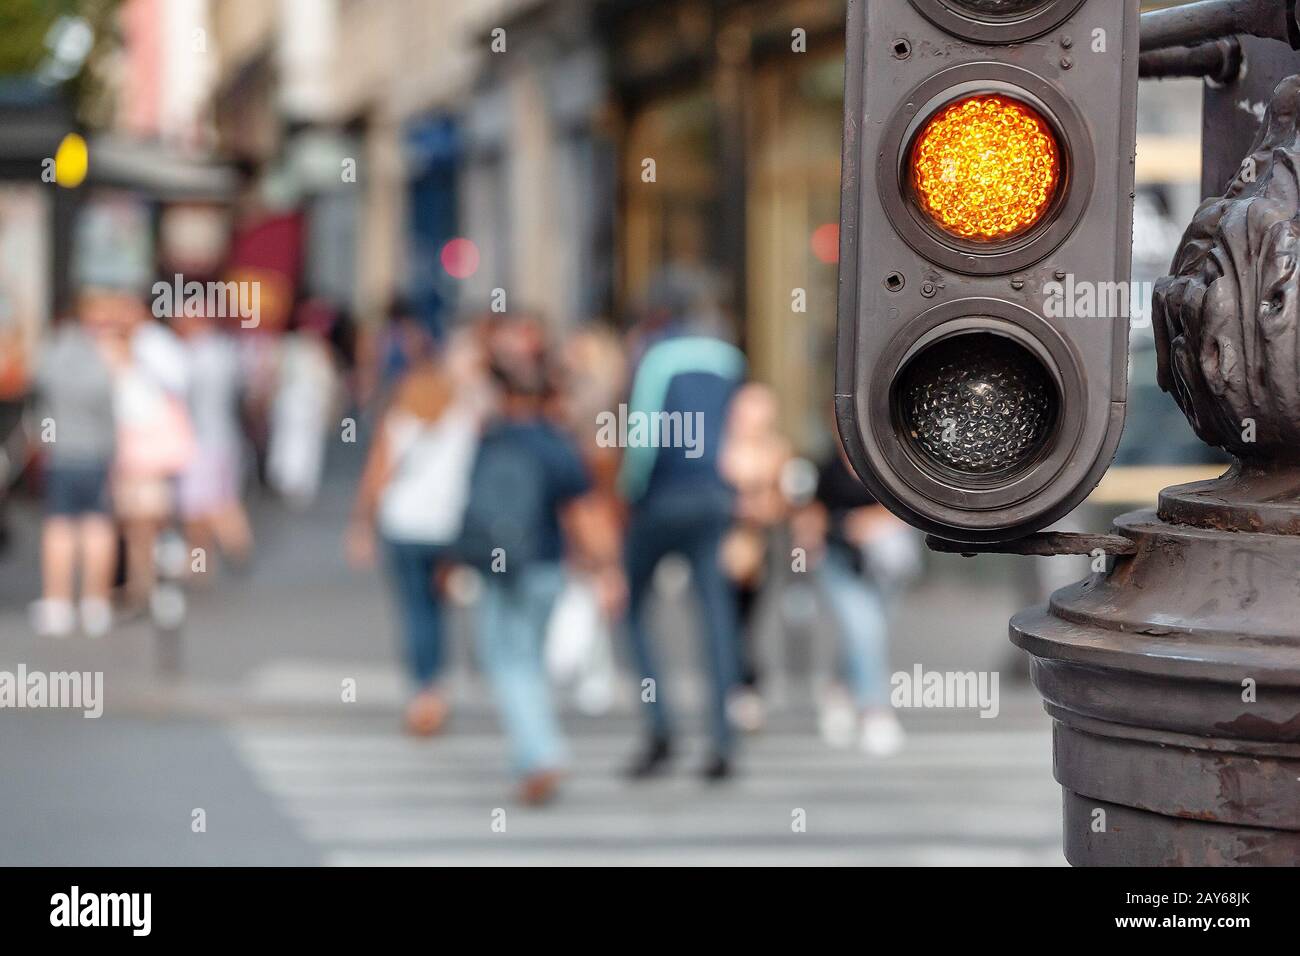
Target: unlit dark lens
[[978, 404]]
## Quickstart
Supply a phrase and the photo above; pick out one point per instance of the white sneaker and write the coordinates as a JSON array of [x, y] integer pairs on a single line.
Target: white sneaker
[[837, 720], [745, 710], [882, 734], [167, 606], [53, 618], [96, 617]]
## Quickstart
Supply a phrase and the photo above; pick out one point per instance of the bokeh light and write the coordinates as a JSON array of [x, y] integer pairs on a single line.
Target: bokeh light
[[986, 168], [71, 161], [460, 257], [825, 243]]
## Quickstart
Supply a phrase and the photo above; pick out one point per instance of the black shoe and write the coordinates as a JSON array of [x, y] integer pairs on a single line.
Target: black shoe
[[651, 761], [717, 769]]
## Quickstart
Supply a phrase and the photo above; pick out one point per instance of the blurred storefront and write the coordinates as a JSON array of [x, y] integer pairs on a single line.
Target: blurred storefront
[[738, 104], [35, 227], [146, 195], [156, 200], [538, 192], [392, 130], [434, 148]]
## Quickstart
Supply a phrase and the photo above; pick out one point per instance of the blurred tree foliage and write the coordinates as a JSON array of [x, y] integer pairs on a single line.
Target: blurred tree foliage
[[24, 30], [23, 27]]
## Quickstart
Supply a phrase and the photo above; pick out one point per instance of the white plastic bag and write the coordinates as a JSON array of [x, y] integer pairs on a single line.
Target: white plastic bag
[[579, 658]]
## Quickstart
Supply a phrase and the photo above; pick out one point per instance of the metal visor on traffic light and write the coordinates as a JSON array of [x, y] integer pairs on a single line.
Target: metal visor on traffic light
[[971, 185], [996, 21]]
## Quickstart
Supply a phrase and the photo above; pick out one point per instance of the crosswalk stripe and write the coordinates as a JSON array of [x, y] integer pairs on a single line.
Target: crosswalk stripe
[[605, 833], [752, 765], [927, 742], [368, 796], [1028, 791], [943, 855]]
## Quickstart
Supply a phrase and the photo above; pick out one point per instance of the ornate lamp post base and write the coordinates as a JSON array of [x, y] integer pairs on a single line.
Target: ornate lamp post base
[[1174, 681]]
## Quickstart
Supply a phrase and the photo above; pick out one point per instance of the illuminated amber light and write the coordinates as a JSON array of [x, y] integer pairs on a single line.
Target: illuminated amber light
[[986, 168]]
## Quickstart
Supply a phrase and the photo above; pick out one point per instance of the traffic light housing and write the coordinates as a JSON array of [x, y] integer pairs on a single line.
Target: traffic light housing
[[987, 180]]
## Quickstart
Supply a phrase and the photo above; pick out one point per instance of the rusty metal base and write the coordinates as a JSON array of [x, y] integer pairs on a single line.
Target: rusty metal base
[[1146, 672]]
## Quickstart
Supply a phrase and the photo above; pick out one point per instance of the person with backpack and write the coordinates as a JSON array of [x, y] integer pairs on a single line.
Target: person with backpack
[[527, 478], [680, 503], [412, 496]]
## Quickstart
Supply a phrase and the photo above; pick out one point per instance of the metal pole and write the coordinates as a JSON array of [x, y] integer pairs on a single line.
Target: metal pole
[[1173, 679], [1211, 19], [1220, 61]]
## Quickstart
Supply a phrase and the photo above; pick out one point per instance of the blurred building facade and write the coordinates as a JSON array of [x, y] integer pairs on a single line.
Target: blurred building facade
[[578, 145], [525, 126]]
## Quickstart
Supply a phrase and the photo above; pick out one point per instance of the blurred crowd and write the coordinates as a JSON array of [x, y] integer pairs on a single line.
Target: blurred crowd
[[486, 471], [140, 432]]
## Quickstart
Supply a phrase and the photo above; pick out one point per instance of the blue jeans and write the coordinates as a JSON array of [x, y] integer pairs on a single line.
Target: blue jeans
[[692, 526], [512, 629], [860, 620], [74, 491], [411, 566]]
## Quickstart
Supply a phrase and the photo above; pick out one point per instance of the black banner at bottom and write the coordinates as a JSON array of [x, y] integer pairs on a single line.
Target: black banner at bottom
[[332, 906]]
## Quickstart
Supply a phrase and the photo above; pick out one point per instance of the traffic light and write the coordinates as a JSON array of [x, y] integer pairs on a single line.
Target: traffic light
[[987, 182]]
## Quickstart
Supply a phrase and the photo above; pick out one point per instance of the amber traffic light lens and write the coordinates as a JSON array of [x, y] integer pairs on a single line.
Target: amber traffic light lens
[[986, 168]]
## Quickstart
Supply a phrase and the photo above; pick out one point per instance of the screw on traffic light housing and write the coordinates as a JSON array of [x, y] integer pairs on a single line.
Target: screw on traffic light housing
[[986, 170]]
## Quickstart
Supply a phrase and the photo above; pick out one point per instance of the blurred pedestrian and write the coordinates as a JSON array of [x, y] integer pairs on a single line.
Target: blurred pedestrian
[[579, 643], [753, 459], [15, 383], [77, 429], [402, 342], [527, 475], [155, 437], [211, 501], [304, 399], [837, 531], [681, 504], [412, 497]]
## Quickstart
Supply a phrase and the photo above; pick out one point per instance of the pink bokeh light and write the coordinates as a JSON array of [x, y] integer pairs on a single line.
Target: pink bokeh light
[[460, 257]]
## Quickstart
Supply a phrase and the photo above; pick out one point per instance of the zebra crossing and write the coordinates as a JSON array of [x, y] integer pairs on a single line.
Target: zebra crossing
[[363, 794]]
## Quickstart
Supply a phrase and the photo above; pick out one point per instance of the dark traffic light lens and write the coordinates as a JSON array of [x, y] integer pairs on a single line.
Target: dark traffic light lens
[[978, 404], [998, 8]]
